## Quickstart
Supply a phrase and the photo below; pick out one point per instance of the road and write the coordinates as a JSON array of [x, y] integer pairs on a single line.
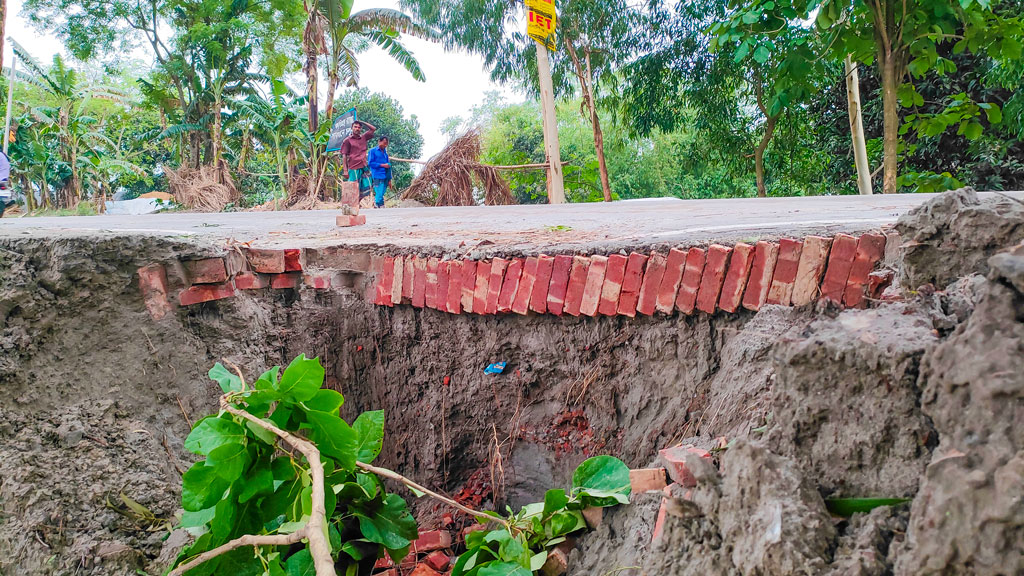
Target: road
[[584, 227]]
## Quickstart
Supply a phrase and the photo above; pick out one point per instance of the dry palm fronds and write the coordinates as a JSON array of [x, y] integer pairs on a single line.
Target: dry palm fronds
[[448, 178], [204, 189]]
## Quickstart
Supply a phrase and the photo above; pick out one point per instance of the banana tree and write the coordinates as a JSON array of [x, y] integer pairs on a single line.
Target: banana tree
[[276, 122]]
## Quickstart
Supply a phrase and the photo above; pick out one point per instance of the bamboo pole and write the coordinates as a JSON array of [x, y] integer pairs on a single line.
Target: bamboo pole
[[556, 187], [860, 151]]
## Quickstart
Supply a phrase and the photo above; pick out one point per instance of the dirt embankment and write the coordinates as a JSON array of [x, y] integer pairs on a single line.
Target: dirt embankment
[[915, 398]]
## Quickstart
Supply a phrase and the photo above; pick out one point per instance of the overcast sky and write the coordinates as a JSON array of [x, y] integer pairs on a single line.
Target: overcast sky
[[455, 81]]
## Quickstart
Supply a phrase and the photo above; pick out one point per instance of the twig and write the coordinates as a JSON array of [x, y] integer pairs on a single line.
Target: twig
[[237, 371], [187, 419], [416, 487]]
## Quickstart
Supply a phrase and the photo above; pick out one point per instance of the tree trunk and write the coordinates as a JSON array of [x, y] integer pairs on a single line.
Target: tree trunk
[[769, 130], [585, 78], [332, 87], [216, 136], [890, 123], [860, 151], [3, 28], [311, 89]]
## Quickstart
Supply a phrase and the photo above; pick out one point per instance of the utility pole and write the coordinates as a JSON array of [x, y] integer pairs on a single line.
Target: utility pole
[[10, 103], [860, 151], [556, 187]]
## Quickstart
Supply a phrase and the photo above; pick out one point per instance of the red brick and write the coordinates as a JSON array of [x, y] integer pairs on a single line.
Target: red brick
[[454, 304], [207, 271], [396, 280], [521, 303], [840, 261], [632, 281], [659, 523], [265, 261], [669, 288], [613, 277], [483, 282], [557, 562], [250, 281], [510, 285], [498, 266], [294, 260], [809, 272], [539, 296], [431, 295], [285, 281], [648, 298], [689, 284], [788, 262], [675, 463], [878, 281], [736, 277], [468, 284], [437, 560], [424, 570], [350, 196], [419, 284], [443, 278], [315, 281], [595, 284], [408, 277], [346, 220], [593, 515], [577, 284], [383, 562], [433, 540], [559, 284], [760, 280], [385, 280], [153, 283], [870, 249], [199, 293], [647, 480]]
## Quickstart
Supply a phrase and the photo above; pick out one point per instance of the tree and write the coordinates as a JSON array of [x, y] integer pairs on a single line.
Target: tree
[[387, 115]]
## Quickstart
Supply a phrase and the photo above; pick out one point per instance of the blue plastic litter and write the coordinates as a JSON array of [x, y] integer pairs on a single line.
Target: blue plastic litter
[[496, 368]]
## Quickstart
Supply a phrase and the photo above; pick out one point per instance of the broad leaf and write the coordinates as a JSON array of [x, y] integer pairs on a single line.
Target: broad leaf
[[603, 480], [334, 438], [229, 460], [554, 500], [503, 569], [325, 400], [213, 432], [257, 483], [301, 379], [370, 428], [201, 487], [389, 524], [228, 380], [300, 564]]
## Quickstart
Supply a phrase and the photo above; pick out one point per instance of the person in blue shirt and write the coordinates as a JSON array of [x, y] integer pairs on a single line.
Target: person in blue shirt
[[380, 169]]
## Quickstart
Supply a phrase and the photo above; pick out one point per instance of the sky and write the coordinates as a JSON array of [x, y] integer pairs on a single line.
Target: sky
[[456, 81]]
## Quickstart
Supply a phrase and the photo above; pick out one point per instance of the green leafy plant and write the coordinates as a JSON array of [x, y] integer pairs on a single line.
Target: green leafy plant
[[850, 506], [520, 547], [281, 468]]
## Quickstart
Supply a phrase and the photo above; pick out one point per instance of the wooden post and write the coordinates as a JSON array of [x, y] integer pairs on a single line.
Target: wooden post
[[10, 102], [556, 188], [860, 151]]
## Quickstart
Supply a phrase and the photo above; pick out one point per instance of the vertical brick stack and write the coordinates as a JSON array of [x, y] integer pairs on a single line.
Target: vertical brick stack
[[791, 272]]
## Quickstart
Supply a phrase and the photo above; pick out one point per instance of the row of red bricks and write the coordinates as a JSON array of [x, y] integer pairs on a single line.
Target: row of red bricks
[[790, 272], [216, 278]]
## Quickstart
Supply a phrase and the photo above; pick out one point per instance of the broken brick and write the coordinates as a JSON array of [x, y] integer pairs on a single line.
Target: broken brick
[[878, 281], [613, 276], [539, 296], [385, 281], [153, 283], [648, 298], [632, 281], [433, 540], [837, 272], [510, 285], [577, 284], [810, 270], [498, 266], [443, 270], [870, 249], [424, 570], [346, 220], [674, 459], [483, 281], [431, 295], [250, 281], [396, 280], [265, 261], [454, 303], [419, 284], [592, 291], [557, 562], [781, 291], [736, 277], [468, 284], [593, 515], [294, 260], [350, 196], [521, 304], [199, 293], [689, 285], [559, 284], [647, 479], [713, 277], [438, 560], [659, 523], [674, 265], [207, 271], [285, 281], [761, 271], [314, 281], [408, 277]]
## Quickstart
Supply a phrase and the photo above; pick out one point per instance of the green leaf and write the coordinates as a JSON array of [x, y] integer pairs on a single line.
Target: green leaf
[[229, 460], [300, 564], [567, 522], [762, 54], [334, 438], [301, 379], [228, 380], [325, 400], [850, 506], [389, 524], [972, 130], [604, 480], [742, 52], [537, 560], [264, 435], [213, 432], [503, 569], [370, 428], [201, 487], [257, 483], [554, 500]]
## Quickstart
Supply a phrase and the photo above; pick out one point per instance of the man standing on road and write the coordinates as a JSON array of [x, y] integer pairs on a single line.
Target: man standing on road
[[353, 155], [380, 168]]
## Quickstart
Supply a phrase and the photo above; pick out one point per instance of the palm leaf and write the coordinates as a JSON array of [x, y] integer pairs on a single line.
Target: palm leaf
[[399, 53], [348, 66], [179, 129], [389, 22], [34, 67]]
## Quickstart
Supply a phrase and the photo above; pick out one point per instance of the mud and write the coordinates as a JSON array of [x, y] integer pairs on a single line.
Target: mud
[[915, 398]]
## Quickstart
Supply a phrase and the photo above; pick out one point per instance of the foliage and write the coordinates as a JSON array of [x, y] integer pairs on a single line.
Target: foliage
[[386, 113], [521, 548], [248, 482], [851, 506]]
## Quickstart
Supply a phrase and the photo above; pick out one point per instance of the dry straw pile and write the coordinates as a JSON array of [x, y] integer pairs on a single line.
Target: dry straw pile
[[450, 177]]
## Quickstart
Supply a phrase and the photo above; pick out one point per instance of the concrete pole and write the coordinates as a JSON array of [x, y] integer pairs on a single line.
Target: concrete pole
[[10, 104], [556, 187], [860, 151]]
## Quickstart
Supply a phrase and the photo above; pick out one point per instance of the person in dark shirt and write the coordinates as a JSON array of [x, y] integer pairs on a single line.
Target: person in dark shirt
[[380, 169], [353, 155]]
